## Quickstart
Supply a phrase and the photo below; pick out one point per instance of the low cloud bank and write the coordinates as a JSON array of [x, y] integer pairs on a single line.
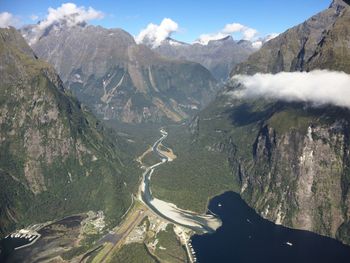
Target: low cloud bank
[[319, 87], [153, 34]]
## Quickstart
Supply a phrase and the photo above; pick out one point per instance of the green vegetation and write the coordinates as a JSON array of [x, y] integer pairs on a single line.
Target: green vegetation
[[133, 253], [150, 159], [283, 121], [169, 249], [188, 180], [257, 145], [49, 143], [141, 135]]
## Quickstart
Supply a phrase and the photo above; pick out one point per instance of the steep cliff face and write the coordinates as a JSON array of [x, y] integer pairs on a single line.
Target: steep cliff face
[[320, 42], [297, 178], [48, 143], [120, 80], [291, 161]]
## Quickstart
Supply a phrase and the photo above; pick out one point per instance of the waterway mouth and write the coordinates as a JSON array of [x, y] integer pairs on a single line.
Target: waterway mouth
[[247, 237], [15, 241], [51, 239], [206, 223]]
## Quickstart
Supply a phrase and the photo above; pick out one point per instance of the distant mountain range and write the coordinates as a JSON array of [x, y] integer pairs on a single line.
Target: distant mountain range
[[119, 79], [219, 56]]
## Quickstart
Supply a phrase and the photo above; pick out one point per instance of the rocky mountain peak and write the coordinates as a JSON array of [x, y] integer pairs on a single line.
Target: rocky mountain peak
[[309, 45], [121, 80], [174, 42], [286, 172], [222, 41], [219, 56], [11, 37], [49, 142], [339, 3], [245, 43]]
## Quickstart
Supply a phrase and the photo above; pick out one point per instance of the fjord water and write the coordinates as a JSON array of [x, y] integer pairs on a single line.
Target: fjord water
[[247, 237]]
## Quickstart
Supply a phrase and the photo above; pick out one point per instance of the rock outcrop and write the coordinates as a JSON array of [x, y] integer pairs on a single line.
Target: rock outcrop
[[55, 157], [219, 56], [291, 159], [120, 80]]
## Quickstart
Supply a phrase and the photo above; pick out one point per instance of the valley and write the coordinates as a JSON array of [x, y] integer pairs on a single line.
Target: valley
[[153, 146], [144, 207]]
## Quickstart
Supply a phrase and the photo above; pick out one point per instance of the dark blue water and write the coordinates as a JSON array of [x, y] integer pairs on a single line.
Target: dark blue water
[[8, 245], [258, 240]]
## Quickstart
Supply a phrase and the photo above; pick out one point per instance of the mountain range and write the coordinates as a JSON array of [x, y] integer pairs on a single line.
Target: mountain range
[[321, 42], [56, 158], [219, 56], [288, 160], [119, 79]]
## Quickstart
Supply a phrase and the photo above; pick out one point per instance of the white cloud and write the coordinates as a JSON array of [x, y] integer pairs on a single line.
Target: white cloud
[[249, 33], [154, 34], [7, 19], [34, 17], [246, 32], [270, 36], [205, 38], [318, 87], [71, 14], [68, 14], [229, 29], [259, 42]]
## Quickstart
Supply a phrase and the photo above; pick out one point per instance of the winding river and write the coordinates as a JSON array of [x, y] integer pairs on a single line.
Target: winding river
[[205, 223]]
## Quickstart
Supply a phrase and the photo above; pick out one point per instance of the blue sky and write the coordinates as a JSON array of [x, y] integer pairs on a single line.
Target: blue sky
[[193, 17]]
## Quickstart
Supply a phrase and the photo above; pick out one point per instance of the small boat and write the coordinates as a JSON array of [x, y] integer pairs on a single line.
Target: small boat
[[249, 221], [289, 243], [219, 205]]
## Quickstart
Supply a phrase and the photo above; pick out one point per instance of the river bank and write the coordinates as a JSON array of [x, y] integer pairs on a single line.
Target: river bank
[[200, 223]]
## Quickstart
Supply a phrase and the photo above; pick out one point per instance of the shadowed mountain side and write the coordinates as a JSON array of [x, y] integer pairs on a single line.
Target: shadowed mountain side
[[55, 157]]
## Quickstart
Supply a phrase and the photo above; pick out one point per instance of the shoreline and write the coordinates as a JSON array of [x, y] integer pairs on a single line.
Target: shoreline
[[201, 223]]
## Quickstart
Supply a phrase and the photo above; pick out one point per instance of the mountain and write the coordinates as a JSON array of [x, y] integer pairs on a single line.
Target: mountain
[[56, 159], [320, 42], [288, 160], [219, 56], [120, 80]]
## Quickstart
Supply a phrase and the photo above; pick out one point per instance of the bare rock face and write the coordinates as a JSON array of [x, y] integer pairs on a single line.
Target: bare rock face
[[298, 176], [120, 80], [321, 42], [219, 56], [49, 143], [291, 159]]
